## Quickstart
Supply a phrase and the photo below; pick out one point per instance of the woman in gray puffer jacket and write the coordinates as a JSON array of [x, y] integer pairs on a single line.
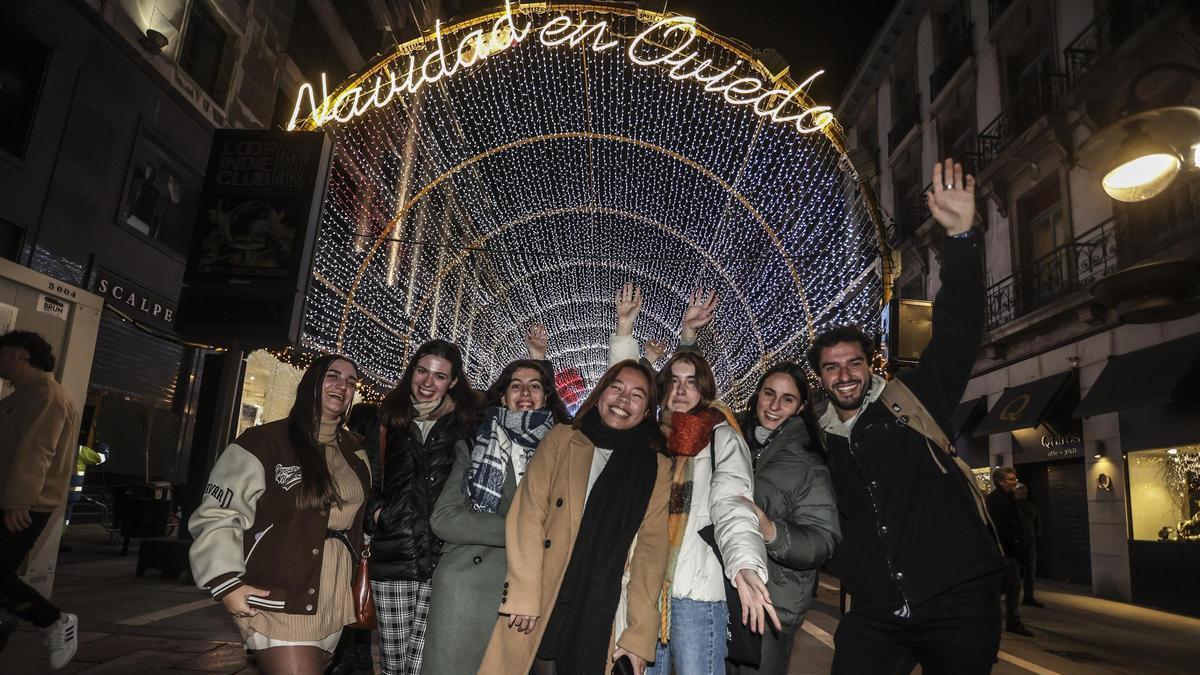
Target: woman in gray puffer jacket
[[794, 501]]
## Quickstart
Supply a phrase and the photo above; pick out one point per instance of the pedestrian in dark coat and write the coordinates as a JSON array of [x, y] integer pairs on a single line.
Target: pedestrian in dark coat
[[793, 497], [1006, 519], [422, 419], [917, 555], [1031, 529]]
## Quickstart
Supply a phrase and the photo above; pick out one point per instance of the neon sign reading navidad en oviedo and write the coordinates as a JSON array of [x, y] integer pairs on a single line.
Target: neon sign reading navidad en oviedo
[[666, 43]]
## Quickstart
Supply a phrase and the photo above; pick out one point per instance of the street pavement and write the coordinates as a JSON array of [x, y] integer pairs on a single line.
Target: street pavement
[[153, 625]]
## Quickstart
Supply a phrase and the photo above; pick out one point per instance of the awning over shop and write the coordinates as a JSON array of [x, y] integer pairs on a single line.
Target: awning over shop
[[966, 417], [1024, 406], [1151, 376]]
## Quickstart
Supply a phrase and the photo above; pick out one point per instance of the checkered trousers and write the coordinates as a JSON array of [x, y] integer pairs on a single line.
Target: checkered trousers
[[401, 610]]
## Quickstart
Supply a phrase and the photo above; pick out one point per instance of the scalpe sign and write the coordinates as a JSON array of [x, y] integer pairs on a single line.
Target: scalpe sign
[[665, 43]]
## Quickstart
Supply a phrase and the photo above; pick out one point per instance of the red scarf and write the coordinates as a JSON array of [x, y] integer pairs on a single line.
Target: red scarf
[[690, 432]]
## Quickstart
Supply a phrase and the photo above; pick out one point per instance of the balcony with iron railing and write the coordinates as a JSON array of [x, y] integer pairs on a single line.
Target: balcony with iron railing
[[1107, 32], [1111, 246], [909, 118], [907, 221], [1040, 97], [952, 61]]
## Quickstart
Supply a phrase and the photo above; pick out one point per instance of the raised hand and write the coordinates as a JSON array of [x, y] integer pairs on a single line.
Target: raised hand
[[952, 201], [629, 303], [536, 341], [699, 313], [654, 350]]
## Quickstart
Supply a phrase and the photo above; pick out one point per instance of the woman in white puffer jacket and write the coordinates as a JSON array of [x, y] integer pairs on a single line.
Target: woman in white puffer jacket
[[711, 475]]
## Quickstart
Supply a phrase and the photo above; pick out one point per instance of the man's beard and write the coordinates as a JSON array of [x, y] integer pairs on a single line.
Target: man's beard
[[853, 405]]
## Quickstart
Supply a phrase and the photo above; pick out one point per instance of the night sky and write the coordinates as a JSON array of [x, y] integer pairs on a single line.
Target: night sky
[[810, 35]]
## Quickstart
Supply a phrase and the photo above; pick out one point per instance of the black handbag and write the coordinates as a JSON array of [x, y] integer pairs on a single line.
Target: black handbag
[[745, 646], [622, 666]]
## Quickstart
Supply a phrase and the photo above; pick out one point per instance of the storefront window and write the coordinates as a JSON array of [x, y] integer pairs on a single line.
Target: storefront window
[[1164, 493], [983, 477], [268, 389]]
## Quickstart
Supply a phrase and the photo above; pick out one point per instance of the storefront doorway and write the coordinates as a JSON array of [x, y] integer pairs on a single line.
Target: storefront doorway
[[1059, 490]]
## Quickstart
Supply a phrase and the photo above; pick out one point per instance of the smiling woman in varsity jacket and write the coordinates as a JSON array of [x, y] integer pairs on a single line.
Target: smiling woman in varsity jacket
[[280, 515]]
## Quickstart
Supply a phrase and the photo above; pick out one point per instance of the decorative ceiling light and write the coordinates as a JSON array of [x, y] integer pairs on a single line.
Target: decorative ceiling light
[[521, 166]]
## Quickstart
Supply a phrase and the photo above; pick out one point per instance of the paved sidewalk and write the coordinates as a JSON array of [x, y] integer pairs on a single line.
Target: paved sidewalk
[[151, 625]]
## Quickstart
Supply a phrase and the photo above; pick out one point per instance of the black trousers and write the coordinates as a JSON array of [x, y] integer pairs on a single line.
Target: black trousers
[[955, 633], [17, 596], [1012, 592], [776, 652], [1029, 567]]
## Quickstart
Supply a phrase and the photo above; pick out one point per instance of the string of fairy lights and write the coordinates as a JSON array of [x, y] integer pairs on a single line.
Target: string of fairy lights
[[530, 187]]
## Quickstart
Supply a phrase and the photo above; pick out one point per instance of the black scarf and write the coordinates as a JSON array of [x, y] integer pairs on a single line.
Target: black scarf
[[580, 625]]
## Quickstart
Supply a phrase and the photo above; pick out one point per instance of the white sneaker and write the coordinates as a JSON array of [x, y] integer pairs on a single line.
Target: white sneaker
[[63, 636]]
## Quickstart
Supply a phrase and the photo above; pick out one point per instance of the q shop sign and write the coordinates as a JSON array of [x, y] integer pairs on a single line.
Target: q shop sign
[[1062, 445]]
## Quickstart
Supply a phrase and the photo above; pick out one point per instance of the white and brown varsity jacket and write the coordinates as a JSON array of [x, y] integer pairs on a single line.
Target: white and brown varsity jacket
[[248, 529]]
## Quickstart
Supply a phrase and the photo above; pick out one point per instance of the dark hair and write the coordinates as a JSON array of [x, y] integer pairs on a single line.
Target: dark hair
[[317, 491], [705, 381], [553, 402], [796, 372], [361, 416], [397, 410], [836, 336], [656, 438], [999, 473], [41, 354]]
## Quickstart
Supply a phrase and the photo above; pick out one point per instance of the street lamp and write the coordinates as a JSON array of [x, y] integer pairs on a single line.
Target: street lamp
[[1141, 153]]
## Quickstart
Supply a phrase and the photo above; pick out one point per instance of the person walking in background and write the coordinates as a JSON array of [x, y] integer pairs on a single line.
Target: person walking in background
[[1002, 506], [87, 457], [431, 410], [353, 654], [521, 406], [592, 489], [793, 498], [277, 533], [39, 427], [1031, 529], [917, 554]]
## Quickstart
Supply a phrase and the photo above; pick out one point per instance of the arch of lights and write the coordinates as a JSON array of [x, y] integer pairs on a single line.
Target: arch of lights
[[519, 167]]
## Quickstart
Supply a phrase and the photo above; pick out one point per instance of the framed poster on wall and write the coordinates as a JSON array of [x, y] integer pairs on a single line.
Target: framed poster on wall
[[160, 196]]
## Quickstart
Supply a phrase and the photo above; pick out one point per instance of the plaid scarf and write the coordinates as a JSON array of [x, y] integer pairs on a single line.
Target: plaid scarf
[[489, 456]]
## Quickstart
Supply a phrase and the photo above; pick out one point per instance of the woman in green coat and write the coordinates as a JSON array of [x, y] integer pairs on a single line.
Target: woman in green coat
[[793, 496], [522, 405]]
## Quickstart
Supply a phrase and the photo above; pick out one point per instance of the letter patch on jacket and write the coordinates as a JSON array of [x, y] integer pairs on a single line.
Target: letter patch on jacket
[[224, 496], [288, 477]]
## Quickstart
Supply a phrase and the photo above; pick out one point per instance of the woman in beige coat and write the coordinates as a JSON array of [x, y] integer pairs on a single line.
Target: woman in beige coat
[[589, 489]]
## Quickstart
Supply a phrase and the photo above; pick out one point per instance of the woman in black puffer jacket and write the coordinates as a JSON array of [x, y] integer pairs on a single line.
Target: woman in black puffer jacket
[[420, 422]]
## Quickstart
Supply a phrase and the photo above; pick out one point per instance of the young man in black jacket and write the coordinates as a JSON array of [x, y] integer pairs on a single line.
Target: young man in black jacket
[[920, 563]]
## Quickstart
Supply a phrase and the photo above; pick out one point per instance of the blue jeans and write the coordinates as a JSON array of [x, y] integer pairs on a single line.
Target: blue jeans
[[699, 631]]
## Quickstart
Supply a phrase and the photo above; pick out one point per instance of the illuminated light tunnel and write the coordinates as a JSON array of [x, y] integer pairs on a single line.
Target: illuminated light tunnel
[[521, 166]]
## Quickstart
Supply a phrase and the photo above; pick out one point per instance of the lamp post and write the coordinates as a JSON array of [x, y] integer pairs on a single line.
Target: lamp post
[[1142, 152], [1140, 155]]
